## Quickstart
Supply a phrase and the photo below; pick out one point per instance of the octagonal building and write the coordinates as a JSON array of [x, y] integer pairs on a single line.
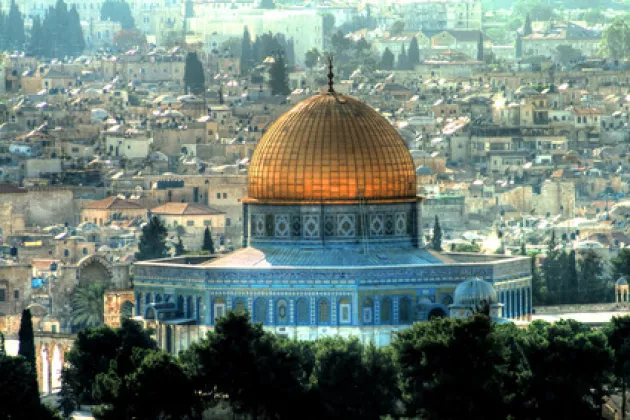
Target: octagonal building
[[332, 241]]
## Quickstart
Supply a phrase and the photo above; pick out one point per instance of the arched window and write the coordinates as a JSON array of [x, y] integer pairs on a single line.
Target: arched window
[[240, 305], [344, 311], [447, 300], [190, 310], [404, 310], [147, 298], [368, 311], [282, 312], [180, 305], [386, 311], [301, 311], [158, 298], [219, 308], [139, 300], [260, 310], [323, 312]]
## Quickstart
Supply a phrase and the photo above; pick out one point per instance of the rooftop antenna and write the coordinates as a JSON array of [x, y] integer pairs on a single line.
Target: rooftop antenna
[[331, 75]]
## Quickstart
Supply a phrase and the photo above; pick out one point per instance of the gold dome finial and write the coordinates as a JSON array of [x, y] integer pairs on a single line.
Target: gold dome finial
[[331, 75]]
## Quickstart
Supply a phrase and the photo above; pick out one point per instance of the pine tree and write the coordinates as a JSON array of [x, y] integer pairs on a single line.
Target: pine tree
[[436, 241], [208, 245], [527, 28], [153, 241], [414, 53], [480, 47], [552, 241], [179, 247], [278, 77], [402, 59], [27, 339], [387, 60], [247, 57]]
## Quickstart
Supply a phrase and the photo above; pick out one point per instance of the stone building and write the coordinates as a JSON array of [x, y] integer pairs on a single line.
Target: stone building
[[111, 208], [332, 236]]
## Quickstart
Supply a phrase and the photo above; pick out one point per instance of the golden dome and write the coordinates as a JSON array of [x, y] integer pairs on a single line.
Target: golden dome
[[331, 148]]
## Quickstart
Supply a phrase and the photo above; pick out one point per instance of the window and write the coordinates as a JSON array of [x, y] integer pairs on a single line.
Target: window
[[239, 305], [344, 311], [404, 310], [207, 222], [174, 222], [219, 308], [228, 222], [3, 295], [301, 310], [75, 150], [368, 304], [16, 294], [190, 223], [218, 196], [386, 311], [260, 310], [224, 195], [282, 312], [323, 313], [85, 251], [66, 252]]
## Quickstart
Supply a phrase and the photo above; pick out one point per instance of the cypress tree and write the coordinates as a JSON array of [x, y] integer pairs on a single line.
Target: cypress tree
[[413, 54], [278, 77], [3, 31], [519, 46], [570, 282], [76, 41], [194, 78], [15, 28], [247, 57], [527, 28], [27, 339], [436, 241], [208, 245], [480, 47], [387, 60], [35, 41], [3, 351], [179, 247], [402, 59]]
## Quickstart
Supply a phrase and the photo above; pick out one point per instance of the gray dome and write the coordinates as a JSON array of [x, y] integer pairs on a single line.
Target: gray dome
[[473, 292], [622, 282]]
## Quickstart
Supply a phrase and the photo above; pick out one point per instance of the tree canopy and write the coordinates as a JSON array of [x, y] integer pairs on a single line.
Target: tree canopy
[[278, 76], [153, 241], [118, 11], [194, 77]]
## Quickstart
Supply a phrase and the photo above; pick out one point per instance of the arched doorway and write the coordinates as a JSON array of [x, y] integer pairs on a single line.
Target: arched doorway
[[57, 365], [436, 313], [93, 269], [45, 370]]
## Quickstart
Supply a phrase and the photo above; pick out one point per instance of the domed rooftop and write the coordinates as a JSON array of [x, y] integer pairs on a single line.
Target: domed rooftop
[[622, 281], [331, 148], [473, 292]]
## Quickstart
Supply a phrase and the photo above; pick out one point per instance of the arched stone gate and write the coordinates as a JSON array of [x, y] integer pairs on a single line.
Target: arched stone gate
[[50, 351]]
